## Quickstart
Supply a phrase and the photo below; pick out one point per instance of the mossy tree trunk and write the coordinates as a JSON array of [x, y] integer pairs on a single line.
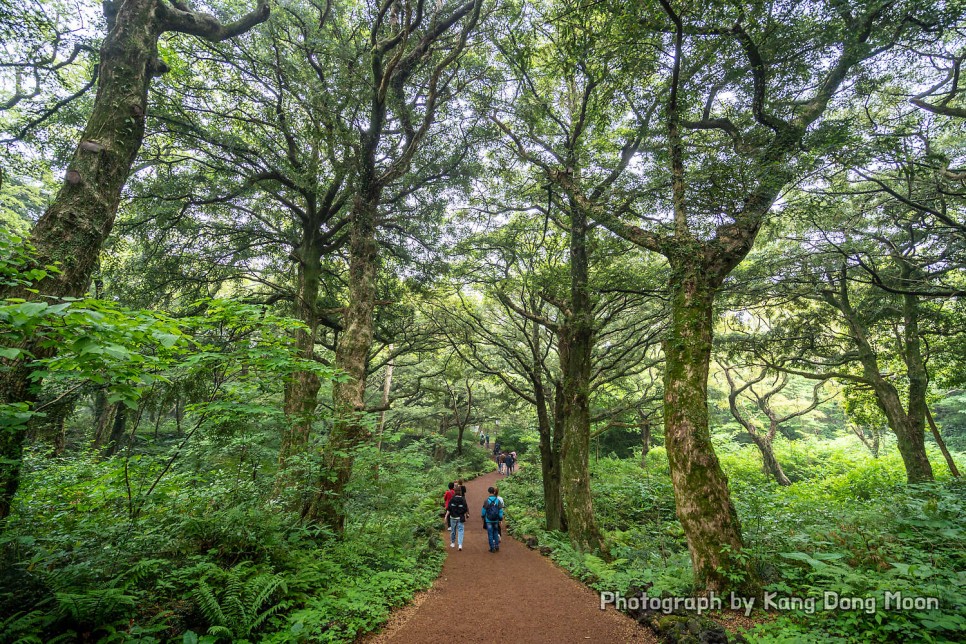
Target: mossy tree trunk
[[302, 387], [550, 463], [576, 344], [701, 494], [908, 424], [350, 428], [770, 464], [549, 428], [73, 229]]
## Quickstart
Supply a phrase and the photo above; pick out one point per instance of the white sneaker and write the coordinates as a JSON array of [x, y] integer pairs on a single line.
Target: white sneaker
[[452, 545], [461, 547]]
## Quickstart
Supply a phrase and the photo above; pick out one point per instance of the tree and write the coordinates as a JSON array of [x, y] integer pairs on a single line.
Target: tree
[[413, 63], [878, 325], [763, 401], [558, 126], [74, 228], [748, 110], [510, 326]]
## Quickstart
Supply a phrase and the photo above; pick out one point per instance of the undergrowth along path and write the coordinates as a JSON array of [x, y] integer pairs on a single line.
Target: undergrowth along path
[[513, 595]]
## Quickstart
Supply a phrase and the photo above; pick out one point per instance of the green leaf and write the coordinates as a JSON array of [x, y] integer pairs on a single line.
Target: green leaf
[[167, 340]]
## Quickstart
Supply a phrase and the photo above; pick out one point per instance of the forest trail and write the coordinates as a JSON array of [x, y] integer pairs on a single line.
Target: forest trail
[[515, 594]]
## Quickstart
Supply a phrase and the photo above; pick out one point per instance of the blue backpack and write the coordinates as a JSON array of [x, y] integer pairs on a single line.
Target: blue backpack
[[492, 510]]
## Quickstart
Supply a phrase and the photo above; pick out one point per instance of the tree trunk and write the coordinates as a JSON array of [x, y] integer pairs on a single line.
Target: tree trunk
[[942, 444], [576, 344], [909, 427], [701, 494], [104, 413], [351, 359], [386, 390], [915, 443], [302, 387], [557, 450], [770, 464], [116, 440], [910, 434], [549, 464]]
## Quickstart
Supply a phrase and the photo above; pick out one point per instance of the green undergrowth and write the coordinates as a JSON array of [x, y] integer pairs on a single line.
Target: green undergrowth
[[210, 557], [848, 527]]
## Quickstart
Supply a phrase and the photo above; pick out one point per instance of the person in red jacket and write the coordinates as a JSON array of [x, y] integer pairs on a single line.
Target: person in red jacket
[[450, 493]]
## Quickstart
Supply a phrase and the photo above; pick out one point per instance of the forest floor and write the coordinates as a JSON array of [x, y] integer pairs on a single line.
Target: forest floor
[[514, 594]]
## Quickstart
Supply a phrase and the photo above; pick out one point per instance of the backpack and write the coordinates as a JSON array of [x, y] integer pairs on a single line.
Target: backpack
[[492, 510], [457, 507]]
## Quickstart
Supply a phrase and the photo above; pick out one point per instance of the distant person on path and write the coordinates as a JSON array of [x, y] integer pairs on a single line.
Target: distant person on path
[[482, 440], [492, 514], [509, 462], [496, 449], [501, 463], [461, 488], [487, 440], [456, 513]]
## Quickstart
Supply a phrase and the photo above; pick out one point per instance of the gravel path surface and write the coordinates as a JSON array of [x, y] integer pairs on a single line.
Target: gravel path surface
[[514, 595]]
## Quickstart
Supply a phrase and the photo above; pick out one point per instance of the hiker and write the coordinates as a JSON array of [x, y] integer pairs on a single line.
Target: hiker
[[456, 513], [501, 462], [487, 440], [449, 494], [492, 514], [482, 440], [496, 449], [461, 488], [508, 463]]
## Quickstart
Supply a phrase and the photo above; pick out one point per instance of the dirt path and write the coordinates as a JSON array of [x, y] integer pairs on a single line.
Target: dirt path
[[515, 594]]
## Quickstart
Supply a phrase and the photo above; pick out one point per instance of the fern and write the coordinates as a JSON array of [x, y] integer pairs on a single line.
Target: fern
[[208, 604], [21, 627], [246, 603], [96, 607]]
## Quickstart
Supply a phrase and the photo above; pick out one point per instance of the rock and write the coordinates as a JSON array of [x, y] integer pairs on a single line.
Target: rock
[[530, 541], [680, 627], [689, 629], [546, 551]]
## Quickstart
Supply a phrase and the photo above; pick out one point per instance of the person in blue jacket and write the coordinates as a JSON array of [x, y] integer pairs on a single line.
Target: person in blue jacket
[[492, 514]]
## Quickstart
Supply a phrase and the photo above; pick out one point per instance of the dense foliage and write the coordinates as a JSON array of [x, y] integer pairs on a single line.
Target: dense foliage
[[206, 554], [837, 529]]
